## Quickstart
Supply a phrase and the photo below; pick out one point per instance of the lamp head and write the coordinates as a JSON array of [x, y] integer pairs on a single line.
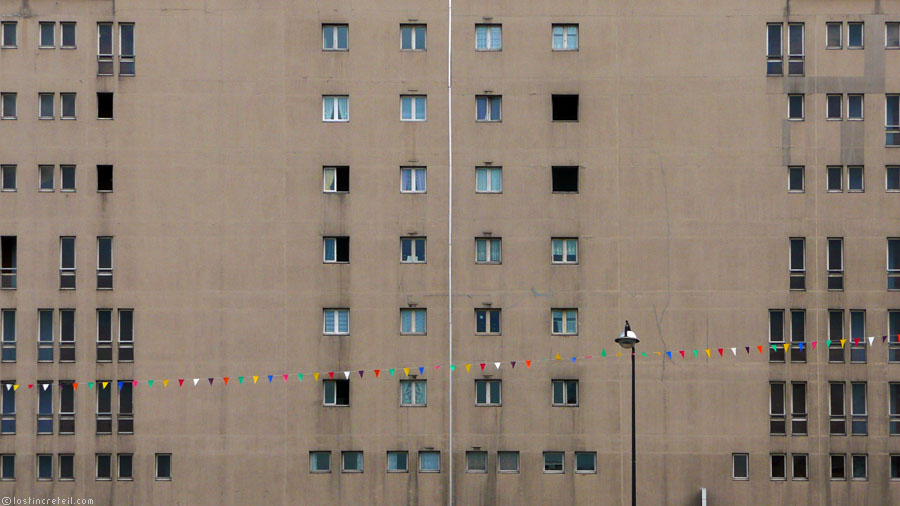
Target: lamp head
[[627, 339]]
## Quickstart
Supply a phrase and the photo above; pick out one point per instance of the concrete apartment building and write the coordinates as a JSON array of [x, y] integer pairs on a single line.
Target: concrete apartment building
[[239, 188]]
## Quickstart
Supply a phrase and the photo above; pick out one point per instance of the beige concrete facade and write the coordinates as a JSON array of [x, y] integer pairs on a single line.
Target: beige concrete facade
[[683, 219]]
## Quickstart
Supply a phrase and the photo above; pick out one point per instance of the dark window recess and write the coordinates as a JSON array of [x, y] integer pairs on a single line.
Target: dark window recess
[[565, 179], [104, 105], [565, 107], [8, 263], [104, 178], [342, 183], [342, 249], [342, 392]]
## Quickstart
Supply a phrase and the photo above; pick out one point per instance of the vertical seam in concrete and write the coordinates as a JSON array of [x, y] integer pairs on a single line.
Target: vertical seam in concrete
[[619, 233], [450, 248]]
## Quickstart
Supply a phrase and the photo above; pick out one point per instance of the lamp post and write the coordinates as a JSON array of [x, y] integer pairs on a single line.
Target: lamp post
[[627, 340]]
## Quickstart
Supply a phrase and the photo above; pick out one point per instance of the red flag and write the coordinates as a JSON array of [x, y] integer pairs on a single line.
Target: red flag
[[482, 366], [75, 386], [331, 374], [588, 356], [528, 364], [437, 367], [134, 383], [720, 351], [30, 385], [377, 372], [856, 341], [682, 353], [225, 379], [759, 348], [180, 382]]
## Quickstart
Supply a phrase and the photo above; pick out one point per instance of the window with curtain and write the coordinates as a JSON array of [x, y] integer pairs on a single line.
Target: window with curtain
[[337, 321], [412, 179], [892, 120], [565, 321], [398, 462], [565, 37], [412, 37], [412, 107], [489, 179], [412, 250], [412, 393], [565, 250], [487, 321], [412, 321], [487, 108], [487, 250], [335, 37], [488, 37], [429, 462], [336, 108]]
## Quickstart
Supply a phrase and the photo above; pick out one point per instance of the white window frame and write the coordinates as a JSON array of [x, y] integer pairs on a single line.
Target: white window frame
[[775, 58], [3, 26], [565, 400], [583, 471], [840, 111], [553, 471], [97, 476], [843, 458], [68, 271], [888, 24], [335, 37], [487, 321], [3, 96], [802, 107], [362, 460], [865, 458], [746, 457], [565, 250], [840, 31], [472, 470], [862, 35], [892, 273], [415, 175], [325, 250], [893, 130], [488, 39], [565, 33], [414, 330], [772, 476], [335, 101], [487, 110], [415, 101], [794, 476], [419, 463], [62, 25], [41, 114], [564, 313], [108, 58], [336, 312], [388, 464], [862, 169], [500, 470], [862, 106], [488, 400], [887, 170], [62, 98], [41, 44], [414, 253], [105, 271], [491, 188], [412, 37], [802, 170], [488, 249], [14, 168], [796, 57], [411, 383], [333, 402], [319, 452], [129, 58]]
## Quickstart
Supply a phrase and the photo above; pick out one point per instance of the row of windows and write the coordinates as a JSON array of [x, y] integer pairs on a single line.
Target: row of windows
[[488, 108], [563, 321], [487, 179], [554, 462], [836, 182], [47, 343], [834, 263], [103, 467], [47, 39], [563, 250], [834, 110], [488, 37], [834, 33], [797, 418], [9, 105], [63, 420], [67, 270], [48, 181], [857, 337], [799, 463]]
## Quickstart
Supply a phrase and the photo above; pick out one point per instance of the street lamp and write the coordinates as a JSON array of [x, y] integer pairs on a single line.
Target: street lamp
[[627, 340]]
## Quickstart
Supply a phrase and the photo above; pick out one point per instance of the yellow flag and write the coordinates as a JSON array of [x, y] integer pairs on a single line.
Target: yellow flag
[[659, 353], [254, 379], [105, 383], [315, 376], [842, 342], [406, 370], [15, 387], [557, 356], [618, 354], [468, 366], [165, 383], [787, 346], [707, 353]]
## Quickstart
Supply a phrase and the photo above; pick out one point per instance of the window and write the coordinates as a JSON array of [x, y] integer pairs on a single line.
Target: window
[[412, 180], [66, 407], [320, 462], [125, 416], [835, 263], [892, 35], [860, 467], [336, 321], [9, 177], [795, 49], [8, 414], [45, 407], [337, 392], [554, 462], [836, 413], [45, 106], [104, 335], [397, 462], [336, 179], [833, 35], [413, 321], [586, 462], [859, 425], [47, 31], [104, 263], [798, 409], [799, 467], [835, 334], [104, 407], [855, 106], [8, 262], [126, 49], [476, 461], [838, 468], [565, 107], [104, 105], [487, 392], [565, 179], [429, 462], [126, 335], [67, 105], [412, 249], [507, 462], [740, 466], [487, 108], [337, 249], [777, 422], [778, 466], [68, 34], [854, 35], [833, 107], [795, 107], [565, 37], [413, 393], [798, 263], [9, 105], [66, 263], [892, 178], [798, 335], [104, 178], [487, 250], [8, 467], [855, 179], [66, 467], [104, 49], [564, 250], [488, 180], [44, 467], [488, 38], [412, 37], [412, 107], [336, 108], [351, 462], [125, 466], [487, 321], [565, 392], [857, 336], [10, 40], [774, 55], [103, 467], [891, 120], [9, 335], [796, 183], [334, 37], [895, 467], [45, 174], [564, 321], [893, 263], [893, 408], [67, 178]]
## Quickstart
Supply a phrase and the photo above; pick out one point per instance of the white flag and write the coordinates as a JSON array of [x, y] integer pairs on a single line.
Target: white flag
[[734, 351], [196, 380], [346, 374], [497, 365]]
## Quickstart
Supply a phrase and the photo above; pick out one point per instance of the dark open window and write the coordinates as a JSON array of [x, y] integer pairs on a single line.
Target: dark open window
[[565, 179], [104, 178], [104, 105], [565, 107]]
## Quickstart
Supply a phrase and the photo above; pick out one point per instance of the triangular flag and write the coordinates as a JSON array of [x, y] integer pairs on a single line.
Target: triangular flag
[[800, 344], [150, 382], [497, 365], [255, 378], [437, 367], [30, 385], [682, 353], [134, 383], [225, 379], [619, 354], [603, 352], [406, 370], [748, 349], [528, 364], [734, 351], [814, 343], [513, 363], [695, 353], [120, 385], [75, 385], [855, 341], [391, 371], [240, 380], [346, 374], [871, 340], [315, 376], [330, 374], [285, 377], [15, 387], [180, 383], [482, 366], [883, 339], [557, 356], [774, 348], [452, 367], [377, 372], [270, 378], [828, 343], [842, 343], [658, 353], [196, 380], [360, 374], [421, 370], [165, 383], [643, 353], [707, 353], [787, 346], [759, 348], [468, 367], [573, 358], [590, 356], [300, 376], [210, 381], [90, 385], [720, 352], [669, 353]]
